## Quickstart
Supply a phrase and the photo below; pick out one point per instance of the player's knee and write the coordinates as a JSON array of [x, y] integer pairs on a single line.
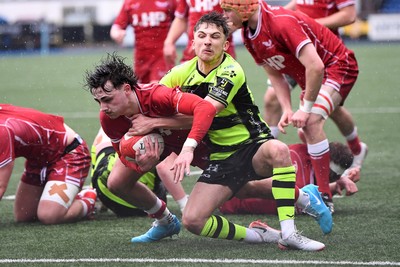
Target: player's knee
[[192, 223], [48, 218], [21, 217], [113, 186], [279, 153]]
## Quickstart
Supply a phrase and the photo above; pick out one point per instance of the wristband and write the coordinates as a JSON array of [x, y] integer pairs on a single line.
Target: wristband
[[190, 142], [307, 106], [336, 168]]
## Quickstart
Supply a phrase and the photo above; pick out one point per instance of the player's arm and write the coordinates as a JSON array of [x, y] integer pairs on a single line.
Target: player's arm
[[178, 27], [345, 16], [314, 73], [291, 5], [315, 68], [344, 183], [204, 111], [118, 29], [5, 175], [142, 124], [117, 33], [282, 91]]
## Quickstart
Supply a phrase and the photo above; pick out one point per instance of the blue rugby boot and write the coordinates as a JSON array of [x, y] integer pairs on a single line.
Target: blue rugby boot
[[159, 231], [317, 208]]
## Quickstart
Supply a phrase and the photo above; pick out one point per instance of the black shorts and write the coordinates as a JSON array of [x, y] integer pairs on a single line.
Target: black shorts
[[105, 160], [234, 171]]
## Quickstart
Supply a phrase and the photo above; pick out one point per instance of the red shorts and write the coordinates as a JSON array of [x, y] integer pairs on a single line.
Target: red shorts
[[150, 68], [249, 206], [72, 168], [342, 77]]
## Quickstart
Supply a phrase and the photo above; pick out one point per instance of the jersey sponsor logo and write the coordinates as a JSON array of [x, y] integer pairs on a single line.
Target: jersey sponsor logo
[[202, 5], [161, 4], [148, 19], [218, 92], [305, 2], [276, 62]]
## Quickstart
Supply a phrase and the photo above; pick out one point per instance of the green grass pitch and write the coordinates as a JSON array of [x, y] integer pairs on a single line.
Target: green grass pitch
[[366, 229]]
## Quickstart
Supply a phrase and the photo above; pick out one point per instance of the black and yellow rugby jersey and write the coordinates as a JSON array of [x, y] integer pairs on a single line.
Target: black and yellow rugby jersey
[[240, 123]]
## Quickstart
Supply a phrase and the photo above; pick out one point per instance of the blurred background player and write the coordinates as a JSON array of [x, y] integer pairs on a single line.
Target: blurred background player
[[150, 21], [287, 42], [57, 164], [103, 159], [332, 14], [187, 13], [341, 160]]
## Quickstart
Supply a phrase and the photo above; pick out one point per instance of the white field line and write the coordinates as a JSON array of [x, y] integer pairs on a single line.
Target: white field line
[[213, 261], [371, 110]]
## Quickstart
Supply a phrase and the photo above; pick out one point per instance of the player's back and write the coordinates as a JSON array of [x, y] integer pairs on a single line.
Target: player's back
[[35, 135]]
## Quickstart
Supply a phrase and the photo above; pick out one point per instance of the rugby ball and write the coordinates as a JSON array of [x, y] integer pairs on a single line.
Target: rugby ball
[[129, 146]]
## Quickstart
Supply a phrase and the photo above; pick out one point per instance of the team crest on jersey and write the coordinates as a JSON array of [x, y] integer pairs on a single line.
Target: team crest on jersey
[[230, 73], [268, 44]]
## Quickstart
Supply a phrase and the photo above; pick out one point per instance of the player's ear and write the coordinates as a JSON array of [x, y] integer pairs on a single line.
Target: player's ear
[[127, 88], [226, 45]]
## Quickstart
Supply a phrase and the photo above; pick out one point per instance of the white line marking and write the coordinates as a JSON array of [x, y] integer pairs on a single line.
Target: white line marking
[[216, 261]]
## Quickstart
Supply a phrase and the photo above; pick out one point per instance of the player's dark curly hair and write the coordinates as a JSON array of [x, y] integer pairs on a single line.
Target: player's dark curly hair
[[112, 68], [340, 155], [213, 18]]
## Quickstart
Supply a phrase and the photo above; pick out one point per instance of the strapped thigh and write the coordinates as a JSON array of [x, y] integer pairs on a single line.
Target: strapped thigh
[[61, 192]]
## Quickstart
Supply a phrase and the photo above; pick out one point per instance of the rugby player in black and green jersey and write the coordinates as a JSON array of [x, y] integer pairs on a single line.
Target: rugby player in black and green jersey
[[242, 148]]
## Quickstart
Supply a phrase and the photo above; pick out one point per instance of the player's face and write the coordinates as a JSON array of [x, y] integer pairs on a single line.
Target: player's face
[[234, 20], [209, 43], [113, 102]]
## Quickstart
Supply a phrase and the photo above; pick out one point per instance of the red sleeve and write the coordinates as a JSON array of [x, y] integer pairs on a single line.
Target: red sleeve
[[131, 165], [123, 19], [114, 128], [182, 9], [203, 113], [6, 146]]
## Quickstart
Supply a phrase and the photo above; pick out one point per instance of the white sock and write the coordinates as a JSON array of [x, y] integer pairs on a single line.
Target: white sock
[[302, 200], [182, 202], [353, 135], [155, 208], [274, 131], [287, 227]]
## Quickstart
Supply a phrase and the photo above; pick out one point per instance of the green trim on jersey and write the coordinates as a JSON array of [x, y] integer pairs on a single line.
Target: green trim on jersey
[[240, 123]]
